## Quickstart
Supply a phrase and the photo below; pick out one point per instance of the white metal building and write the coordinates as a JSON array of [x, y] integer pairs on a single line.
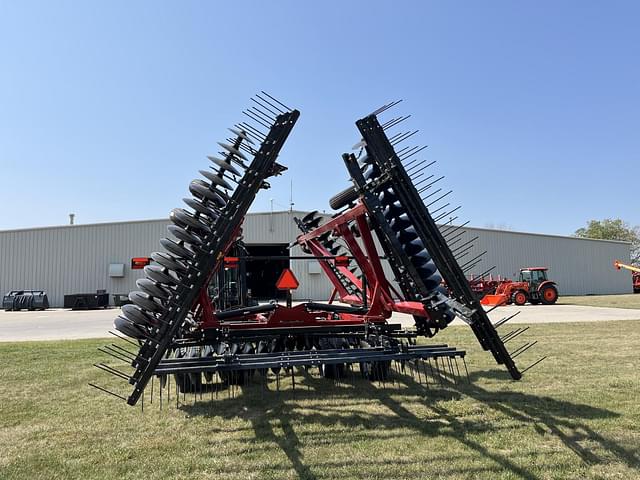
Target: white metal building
[[84, 258]]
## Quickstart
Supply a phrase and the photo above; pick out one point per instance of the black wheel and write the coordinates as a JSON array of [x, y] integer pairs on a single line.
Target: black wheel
[[548, 295], [343, 198]]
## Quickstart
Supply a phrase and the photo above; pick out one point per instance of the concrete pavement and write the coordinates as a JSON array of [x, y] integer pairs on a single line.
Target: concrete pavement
[[58, 324]]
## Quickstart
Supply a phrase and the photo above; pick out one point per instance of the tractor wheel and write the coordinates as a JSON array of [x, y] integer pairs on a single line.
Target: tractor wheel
[[519, 298], [549, 295]]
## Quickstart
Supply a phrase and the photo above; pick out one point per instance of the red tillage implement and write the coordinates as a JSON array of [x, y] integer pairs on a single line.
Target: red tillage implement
[[206, 341]]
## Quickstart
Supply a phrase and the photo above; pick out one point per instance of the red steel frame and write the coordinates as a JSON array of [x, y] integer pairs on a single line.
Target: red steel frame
[[382, 298]]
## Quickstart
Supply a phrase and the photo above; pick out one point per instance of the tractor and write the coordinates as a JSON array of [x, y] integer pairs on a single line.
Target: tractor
[[533, 286]]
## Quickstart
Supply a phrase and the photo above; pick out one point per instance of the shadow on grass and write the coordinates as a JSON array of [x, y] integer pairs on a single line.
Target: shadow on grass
[[270, 411]]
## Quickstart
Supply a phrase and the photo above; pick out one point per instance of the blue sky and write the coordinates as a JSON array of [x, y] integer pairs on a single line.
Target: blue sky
[[107, 109]]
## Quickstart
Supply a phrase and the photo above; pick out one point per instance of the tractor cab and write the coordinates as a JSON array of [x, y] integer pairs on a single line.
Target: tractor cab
[[534, 276]]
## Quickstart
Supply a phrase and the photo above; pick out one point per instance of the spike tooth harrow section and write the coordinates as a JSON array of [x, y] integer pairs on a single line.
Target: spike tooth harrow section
[[420, 256], [171, 288]]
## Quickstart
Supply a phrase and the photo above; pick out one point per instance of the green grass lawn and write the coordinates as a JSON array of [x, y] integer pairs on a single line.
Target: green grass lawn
[[619, 301], [574, 416]]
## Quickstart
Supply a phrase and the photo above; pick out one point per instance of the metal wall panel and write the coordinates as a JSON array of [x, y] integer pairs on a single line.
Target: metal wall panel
[[75, 259]]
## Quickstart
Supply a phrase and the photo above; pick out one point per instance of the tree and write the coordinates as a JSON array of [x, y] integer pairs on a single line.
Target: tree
[[613, 229]]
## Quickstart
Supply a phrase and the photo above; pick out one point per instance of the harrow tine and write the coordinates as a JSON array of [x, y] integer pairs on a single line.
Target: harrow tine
[[421, 181], [455, 359], [534, 364], [240, 134], [261, 114], [469, 242], [396, 136], [435, 192], [394, 121], [426, 375], [420, 163], [482, 275], [124, 350], [287, 109], [449, 222], [455, 238], [404, 137], [453, 375], [114, 354], [406, 154], [428, 186], [125, 339], [411, 162], [251, 130], [471, 267], [440, 208], [107, 391], [447, 214], [112, 371], [267, 102], [266, 105], [384, 108], [255, 118], [455, 230], [513, 334], [461, 253], [439, 198], [504, 320], [522, 349], [473, 259]]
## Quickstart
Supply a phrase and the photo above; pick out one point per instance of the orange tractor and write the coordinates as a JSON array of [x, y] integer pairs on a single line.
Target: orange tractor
[[533, 287]]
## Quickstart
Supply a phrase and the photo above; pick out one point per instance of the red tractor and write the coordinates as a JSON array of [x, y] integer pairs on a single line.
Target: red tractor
[[533, 286]]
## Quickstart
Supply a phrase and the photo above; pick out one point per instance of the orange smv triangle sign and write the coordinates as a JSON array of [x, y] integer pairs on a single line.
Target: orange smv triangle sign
[[287, 280]]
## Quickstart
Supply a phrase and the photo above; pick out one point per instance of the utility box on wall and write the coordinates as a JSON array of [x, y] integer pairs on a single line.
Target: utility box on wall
[[116, 270], [313, 267]]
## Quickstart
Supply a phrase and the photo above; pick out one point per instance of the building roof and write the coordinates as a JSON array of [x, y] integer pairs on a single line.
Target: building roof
[[290, 212]]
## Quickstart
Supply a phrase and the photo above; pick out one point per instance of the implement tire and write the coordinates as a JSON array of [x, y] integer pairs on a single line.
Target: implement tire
[[343, 198]]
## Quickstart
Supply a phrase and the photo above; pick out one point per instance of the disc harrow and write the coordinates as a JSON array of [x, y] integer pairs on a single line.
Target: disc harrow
[[187, 324]]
